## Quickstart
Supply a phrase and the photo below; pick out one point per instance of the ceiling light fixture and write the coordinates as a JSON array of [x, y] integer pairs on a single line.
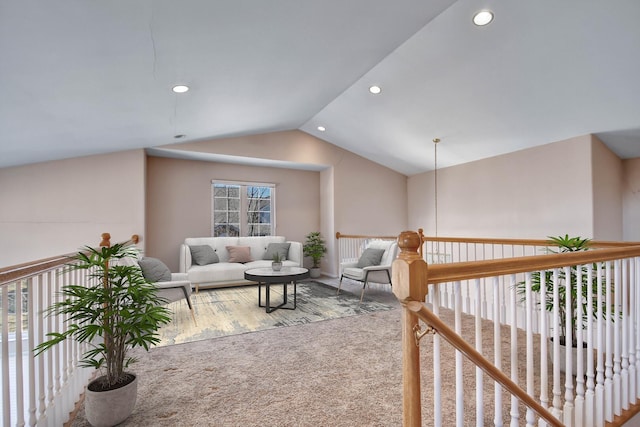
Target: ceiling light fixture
[[180, 88], [482, 18], [180, 136], [375, 90], [322, 128]]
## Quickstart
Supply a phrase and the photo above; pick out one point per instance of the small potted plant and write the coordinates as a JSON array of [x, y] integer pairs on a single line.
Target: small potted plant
[[114, 311], [276, 265], [315, 248]]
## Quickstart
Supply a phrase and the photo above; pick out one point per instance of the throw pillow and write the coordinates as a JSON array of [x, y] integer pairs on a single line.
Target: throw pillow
[[154, 270], [239, 253], [203, 255], [370, 257], [280, 248]]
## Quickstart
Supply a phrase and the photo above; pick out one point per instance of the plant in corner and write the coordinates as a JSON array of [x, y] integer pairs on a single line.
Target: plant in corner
[[314, 247], [566, 292], [115, 311]]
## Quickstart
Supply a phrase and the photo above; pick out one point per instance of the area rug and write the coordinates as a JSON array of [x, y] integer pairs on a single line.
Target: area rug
[[232, 311]]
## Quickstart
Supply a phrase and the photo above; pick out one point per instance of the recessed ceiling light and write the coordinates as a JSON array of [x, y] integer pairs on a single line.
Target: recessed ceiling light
[[179, 136], [322, 128], [375, 90], [483, 17], [180, 88]]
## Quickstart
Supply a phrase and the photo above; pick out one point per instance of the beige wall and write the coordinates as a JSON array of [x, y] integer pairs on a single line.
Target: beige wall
[[353, 195], [179, 201], [631, 199], [607, 181], [53, 208], [531, 193]]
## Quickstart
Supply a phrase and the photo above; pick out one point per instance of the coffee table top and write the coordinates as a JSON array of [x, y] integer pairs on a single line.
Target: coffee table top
[[267, 274]]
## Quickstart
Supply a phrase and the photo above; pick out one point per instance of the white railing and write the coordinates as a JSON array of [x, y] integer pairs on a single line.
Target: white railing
[[489, 299], [38, 390]]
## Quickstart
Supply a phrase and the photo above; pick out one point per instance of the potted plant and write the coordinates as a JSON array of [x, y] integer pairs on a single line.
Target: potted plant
[[566, 293], [115, 311], [314, 247], [276, 265]]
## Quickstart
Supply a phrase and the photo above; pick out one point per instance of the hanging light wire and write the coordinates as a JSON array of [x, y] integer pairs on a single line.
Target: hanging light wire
[[435, 195]]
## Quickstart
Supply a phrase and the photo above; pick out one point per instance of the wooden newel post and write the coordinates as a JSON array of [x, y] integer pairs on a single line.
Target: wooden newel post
[[410, 284]]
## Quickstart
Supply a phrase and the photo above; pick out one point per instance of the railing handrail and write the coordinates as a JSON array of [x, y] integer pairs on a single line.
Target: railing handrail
[[359, 236], [442, 273], [523, 242], [477, 359], [22, 271]]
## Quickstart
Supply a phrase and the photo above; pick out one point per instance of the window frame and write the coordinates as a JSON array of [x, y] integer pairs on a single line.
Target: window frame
[[243, 213]]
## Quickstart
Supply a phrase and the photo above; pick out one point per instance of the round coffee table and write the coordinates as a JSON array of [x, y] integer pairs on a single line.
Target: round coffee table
[[266, 277]]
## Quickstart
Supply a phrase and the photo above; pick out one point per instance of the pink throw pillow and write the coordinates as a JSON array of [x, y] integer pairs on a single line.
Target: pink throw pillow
[[239, 253]]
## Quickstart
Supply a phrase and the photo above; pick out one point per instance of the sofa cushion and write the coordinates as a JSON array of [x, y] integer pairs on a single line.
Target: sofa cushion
[[277, 248], [370, 257], [239, 253], [203, 255], [154, 270]]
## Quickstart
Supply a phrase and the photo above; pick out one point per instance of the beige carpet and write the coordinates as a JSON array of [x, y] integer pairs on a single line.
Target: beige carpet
[[341, 372]]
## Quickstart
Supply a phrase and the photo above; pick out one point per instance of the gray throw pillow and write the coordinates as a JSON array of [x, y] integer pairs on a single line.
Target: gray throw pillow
[[370, 257], [280, 248], [203, 255], [154, 270]]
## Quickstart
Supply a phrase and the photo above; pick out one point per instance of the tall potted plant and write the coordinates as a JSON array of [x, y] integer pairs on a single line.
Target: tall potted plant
[[314, 247], [115, 311], [567, 292]]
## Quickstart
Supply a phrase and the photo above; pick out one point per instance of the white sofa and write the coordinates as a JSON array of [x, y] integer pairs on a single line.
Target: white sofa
[[224, 273]]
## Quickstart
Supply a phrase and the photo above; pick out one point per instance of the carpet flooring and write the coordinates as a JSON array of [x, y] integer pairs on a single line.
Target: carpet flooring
[[235, 310], [345, 371]]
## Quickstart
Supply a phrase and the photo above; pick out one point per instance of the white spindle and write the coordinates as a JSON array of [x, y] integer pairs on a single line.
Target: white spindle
[[529, 346], [615, 313], [557, 400], [479, 391], [497, 351], [631, 330], [600, 331], [544, 342], [437, 374], [624, 373], [18, 359], [589, 404], [31, 341], [459, 372], [567, 410], [6, 384], [608, 364], [514, 412], [579, 399]]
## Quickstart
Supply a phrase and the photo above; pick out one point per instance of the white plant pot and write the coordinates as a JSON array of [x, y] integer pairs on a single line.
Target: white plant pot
[[109, 408], [574, 358], [276, 266], [314, 273]]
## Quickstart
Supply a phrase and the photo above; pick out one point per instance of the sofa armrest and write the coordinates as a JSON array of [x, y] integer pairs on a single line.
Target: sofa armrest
[[184, 263], [295, 253]]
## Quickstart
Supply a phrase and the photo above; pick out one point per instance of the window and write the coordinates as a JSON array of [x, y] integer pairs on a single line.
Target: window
[[242, 209]]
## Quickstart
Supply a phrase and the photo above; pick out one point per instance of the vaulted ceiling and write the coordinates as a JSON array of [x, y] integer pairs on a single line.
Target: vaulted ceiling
[[82, 77]]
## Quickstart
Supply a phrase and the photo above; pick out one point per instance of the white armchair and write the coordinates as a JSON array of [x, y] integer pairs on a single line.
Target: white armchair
[[170, 286], [374, 265], [174, 290]]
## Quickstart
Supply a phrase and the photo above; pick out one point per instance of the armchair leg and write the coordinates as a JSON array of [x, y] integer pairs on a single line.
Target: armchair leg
[[366, 278], [339, 284], [193, 315]]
